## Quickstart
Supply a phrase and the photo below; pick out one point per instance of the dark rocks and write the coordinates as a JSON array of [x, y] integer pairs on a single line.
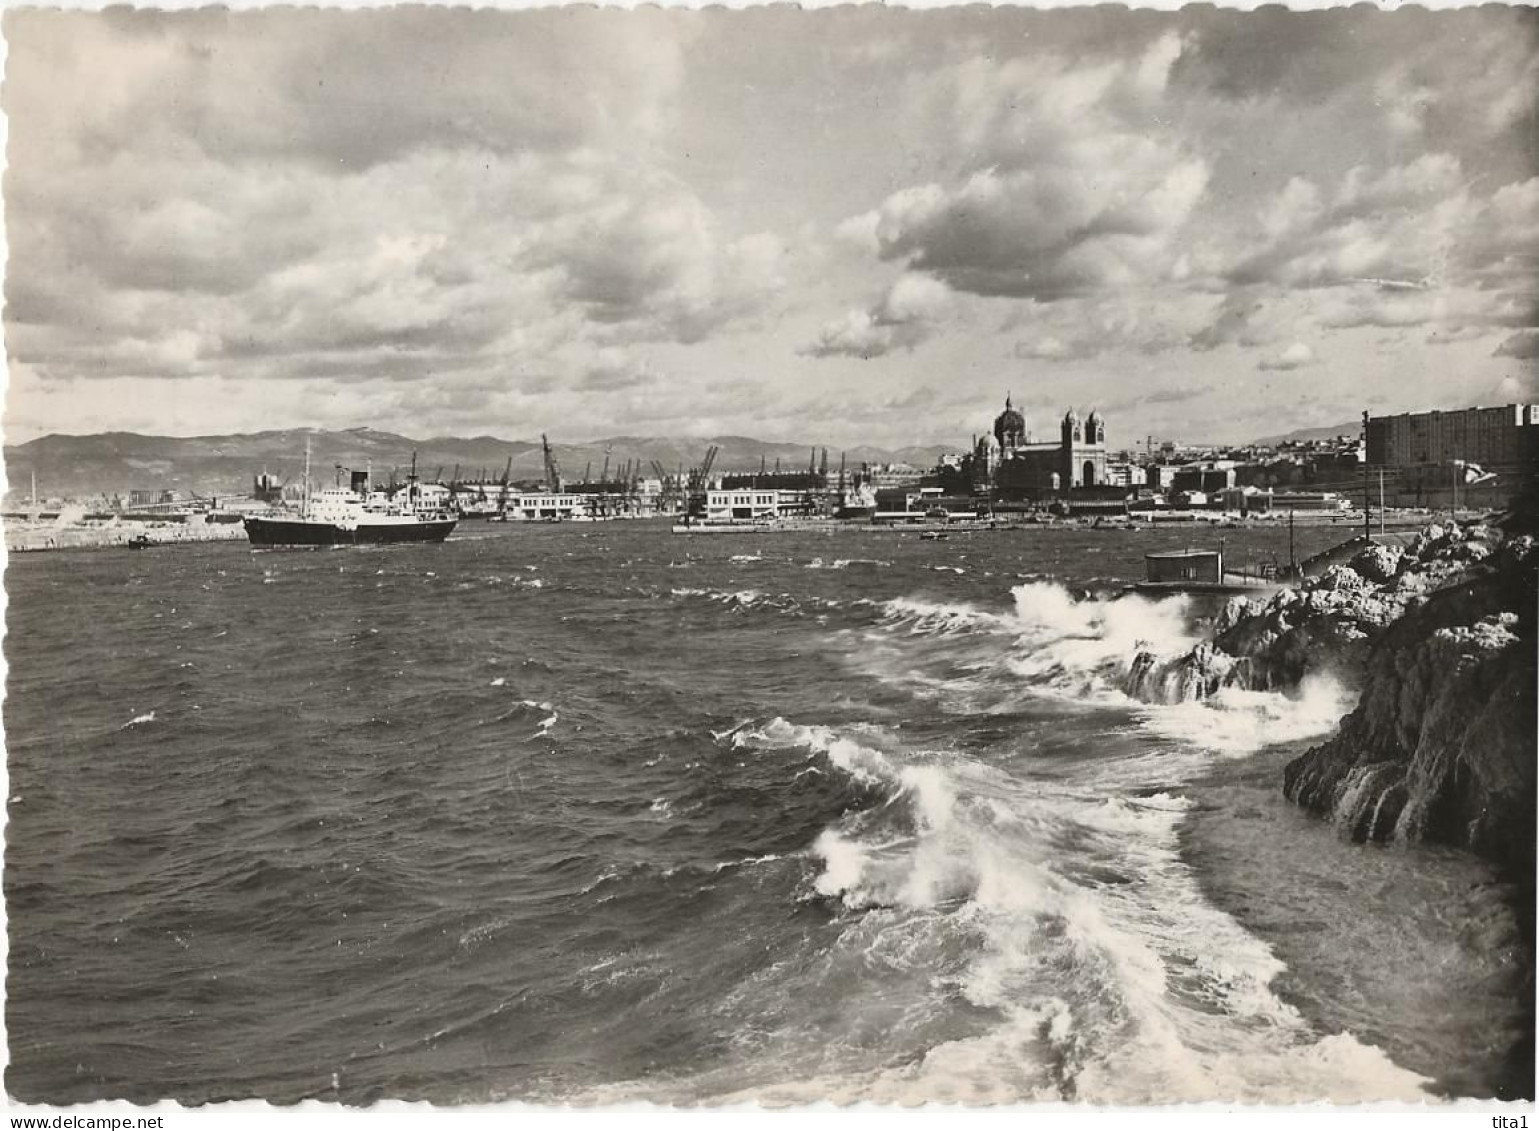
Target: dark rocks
[[1329, 622], [1441, 746], [1440, 641]]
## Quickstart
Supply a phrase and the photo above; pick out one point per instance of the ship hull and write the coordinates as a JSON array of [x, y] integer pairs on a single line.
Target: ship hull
[[297, 532]]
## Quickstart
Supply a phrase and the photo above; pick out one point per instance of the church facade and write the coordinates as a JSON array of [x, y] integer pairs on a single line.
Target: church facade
[[1010, 465]]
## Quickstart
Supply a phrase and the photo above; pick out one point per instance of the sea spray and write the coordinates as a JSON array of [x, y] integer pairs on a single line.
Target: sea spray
[[1109, 976]]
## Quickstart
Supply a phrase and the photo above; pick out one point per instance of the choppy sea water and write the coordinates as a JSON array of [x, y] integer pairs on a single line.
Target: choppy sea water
[[596, 813]]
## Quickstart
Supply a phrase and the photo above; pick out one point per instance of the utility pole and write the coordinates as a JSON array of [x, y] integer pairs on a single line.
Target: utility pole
[[1293, 562], [1381, 500], [1367, 510]]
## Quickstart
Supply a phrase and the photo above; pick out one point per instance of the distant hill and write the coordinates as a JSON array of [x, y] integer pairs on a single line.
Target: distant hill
[[1304, 435], [117, 462]]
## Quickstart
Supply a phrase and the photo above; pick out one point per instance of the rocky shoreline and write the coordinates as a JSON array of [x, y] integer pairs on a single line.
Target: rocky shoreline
[[1438, 639]]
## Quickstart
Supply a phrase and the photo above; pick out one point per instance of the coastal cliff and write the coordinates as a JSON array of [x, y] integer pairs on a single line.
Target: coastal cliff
[[1439, 640], [1441, 746]]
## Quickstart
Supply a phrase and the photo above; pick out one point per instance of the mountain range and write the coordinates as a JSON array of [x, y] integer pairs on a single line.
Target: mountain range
[[1304, 435], [117, 462]]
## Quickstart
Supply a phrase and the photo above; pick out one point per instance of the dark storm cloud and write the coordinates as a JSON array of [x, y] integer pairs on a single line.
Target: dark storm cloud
[[213, 192], [1524, 345], [331, 87], [415, 205]]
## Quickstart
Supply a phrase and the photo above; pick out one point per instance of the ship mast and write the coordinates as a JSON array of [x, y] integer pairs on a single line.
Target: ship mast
[[306, 497]]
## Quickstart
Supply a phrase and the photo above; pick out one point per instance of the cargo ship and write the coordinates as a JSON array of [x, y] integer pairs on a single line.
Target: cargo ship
[[355, 515]]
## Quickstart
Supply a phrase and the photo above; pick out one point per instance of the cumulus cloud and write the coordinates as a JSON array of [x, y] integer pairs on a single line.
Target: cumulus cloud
[[398, 270], [1046, 348], [907, 314], [1067, 194], [552, 210], [270, 195], [1415, 245], [332, 87], [1295, 356], [1244, 318]]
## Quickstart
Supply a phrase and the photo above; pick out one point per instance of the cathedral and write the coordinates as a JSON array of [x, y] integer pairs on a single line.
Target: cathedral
[[1010, 465]]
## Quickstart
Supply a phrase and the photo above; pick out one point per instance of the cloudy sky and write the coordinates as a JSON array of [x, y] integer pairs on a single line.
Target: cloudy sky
[[839, 226]]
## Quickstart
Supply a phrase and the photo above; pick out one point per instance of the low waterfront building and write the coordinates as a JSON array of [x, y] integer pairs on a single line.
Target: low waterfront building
[[1245, 500], [1309, 501], [1208, 477], [546, 507], [743, 504], [1185, 566]]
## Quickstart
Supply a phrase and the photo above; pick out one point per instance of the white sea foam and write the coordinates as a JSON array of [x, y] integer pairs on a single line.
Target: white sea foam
[[1055, 646], [546, 723], [1235, 721], [1113, 978]]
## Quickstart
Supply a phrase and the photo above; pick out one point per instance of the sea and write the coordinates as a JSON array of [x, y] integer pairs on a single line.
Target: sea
[[594, 814]]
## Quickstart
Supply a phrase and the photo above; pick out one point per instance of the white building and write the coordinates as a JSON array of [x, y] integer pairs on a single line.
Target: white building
[[742, 505], [542, 506]]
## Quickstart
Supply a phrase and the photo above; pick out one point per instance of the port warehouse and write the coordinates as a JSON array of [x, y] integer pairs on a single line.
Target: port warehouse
[[1477, 458]]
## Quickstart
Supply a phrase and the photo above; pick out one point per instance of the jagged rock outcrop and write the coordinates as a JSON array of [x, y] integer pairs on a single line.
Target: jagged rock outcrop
[[1441, 746], [1329, 622]]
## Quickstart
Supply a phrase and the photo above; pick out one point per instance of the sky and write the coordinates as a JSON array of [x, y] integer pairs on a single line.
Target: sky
[[847, 226]]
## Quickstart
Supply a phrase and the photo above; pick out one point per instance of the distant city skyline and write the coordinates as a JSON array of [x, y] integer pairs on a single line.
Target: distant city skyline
[[863, 226]]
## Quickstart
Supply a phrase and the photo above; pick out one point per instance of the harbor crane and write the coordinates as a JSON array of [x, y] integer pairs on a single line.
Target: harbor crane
[[552, 468], [700, 481], [502, 496], [670, 486]]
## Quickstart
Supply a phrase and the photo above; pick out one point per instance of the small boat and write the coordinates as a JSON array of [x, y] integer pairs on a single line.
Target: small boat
[[932, 536], [139, 542]]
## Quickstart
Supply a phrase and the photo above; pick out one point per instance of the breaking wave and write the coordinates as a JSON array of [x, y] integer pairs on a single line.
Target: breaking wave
[[1081, 648], [1066, 921]]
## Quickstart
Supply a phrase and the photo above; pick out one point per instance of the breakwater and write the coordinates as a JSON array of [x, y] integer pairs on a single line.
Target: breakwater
[[27, 535]]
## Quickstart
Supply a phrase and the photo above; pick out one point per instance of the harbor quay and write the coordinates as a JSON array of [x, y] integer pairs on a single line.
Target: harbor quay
[[32, 534]]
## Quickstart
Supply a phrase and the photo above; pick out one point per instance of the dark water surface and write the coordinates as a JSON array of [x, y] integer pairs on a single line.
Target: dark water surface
[[596, 813]]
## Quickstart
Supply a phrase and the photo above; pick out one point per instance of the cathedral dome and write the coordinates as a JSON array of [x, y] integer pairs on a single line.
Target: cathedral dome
[[1010, 419], [1010, 427]]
